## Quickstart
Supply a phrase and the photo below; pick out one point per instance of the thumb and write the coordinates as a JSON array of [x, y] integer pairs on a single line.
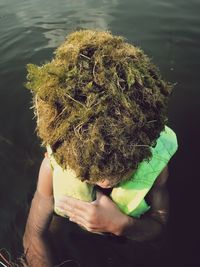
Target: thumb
[[99, 196]]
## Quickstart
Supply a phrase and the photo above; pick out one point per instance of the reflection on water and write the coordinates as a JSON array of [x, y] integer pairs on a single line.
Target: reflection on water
[[30, 30], [55, 19]]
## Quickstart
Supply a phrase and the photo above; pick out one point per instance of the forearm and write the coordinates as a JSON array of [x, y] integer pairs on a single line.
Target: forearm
[[142, 229], [151, 224], [36, 247], [37, 252]]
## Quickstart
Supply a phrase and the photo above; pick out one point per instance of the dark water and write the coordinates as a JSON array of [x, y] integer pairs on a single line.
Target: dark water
[[168, 31]]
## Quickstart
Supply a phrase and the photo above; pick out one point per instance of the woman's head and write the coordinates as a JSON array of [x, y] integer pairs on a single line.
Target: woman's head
[[100, 105]]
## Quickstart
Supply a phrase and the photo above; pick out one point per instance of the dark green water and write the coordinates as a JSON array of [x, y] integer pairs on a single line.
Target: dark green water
[[168, 31]]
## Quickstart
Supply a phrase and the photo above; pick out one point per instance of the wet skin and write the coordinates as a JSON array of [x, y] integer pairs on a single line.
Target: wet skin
[[101, 215]]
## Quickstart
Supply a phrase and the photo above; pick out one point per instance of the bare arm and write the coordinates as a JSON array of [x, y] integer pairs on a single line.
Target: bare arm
[[103, 215], [153, 222], [35, 243]]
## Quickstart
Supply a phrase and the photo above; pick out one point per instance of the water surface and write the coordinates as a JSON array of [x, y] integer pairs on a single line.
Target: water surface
[[168, 31]]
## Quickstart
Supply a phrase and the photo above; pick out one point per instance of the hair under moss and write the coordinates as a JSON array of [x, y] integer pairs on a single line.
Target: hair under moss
[[100, 104]]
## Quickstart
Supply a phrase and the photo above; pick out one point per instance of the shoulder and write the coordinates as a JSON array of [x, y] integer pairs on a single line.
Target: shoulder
[[162, 178], [159, 187], [158, 198], [45, 183], [160, 183]]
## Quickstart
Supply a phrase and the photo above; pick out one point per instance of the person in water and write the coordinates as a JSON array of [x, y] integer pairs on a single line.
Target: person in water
[[101, 108]]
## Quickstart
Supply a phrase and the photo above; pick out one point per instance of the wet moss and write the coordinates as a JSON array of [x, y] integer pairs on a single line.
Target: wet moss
[[100, 104]]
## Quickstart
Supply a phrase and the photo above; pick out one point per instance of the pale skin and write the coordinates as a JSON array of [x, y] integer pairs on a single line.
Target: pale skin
[[102, 215]]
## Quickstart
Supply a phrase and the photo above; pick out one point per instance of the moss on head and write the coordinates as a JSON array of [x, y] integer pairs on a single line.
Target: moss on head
[[100, 104]]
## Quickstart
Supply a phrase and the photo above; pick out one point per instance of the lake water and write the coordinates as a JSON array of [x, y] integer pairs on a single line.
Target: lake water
[[168, 31]]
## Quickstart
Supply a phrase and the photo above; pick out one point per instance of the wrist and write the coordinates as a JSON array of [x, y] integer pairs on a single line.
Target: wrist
[[122, 225]]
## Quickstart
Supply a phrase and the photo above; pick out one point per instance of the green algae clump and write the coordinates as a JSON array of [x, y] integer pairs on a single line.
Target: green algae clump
[[100, 104]]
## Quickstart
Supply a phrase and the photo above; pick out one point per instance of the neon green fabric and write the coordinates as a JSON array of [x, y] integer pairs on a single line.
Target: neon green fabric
[[129, 196]]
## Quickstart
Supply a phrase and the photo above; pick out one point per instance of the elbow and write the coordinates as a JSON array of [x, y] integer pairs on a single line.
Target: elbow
[[26, 240], [30, 236], [158, 229]]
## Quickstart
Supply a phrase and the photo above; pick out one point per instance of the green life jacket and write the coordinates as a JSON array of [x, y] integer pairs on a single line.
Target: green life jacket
[[129, 195]]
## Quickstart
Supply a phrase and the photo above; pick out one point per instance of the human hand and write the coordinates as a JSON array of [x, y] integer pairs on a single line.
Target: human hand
[[101, 215]]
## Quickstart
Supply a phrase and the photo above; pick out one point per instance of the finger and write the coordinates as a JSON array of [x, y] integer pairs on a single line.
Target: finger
[[99, 197], [82, 221], [89, 229], [64, 212], [99, 194], [63, 205], [72, 202], [70, 211]]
